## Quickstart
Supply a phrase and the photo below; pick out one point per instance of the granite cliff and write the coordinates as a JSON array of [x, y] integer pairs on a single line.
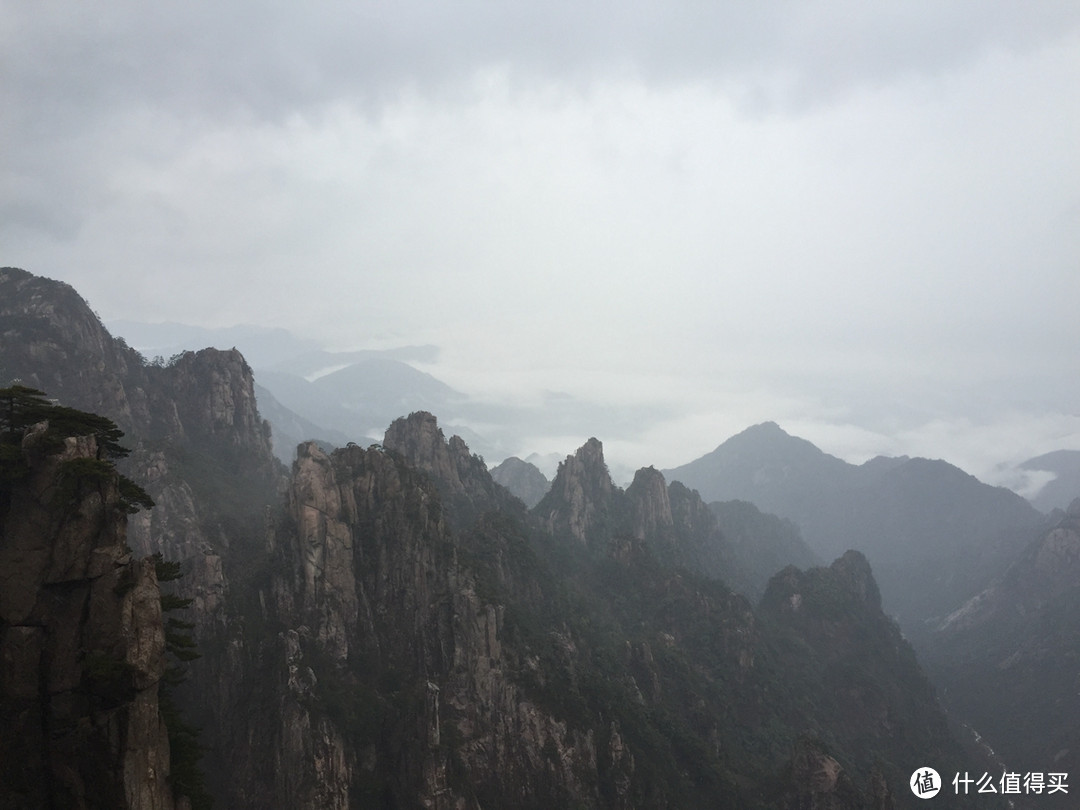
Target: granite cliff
[[198, 447], [82, 642]]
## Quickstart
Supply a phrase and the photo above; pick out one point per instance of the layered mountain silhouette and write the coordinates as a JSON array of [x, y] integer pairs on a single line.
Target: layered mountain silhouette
[[934, 534], [1064, 487], [523, 479], [1007, 659]]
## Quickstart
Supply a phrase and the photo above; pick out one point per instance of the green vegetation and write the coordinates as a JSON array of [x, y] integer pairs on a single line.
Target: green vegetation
[[185, 750], [21, 408], [108, 677]]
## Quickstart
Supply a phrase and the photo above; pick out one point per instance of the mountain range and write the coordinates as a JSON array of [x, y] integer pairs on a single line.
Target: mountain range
[[933, 533], [388, 626], [374, 386]]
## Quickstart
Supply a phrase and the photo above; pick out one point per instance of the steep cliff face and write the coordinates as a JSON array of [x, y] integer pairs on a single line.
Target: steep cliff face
[[82, 648], [827, 624], [52, 341], [199, 448], [462, 479], [582, 501], [397, 684], [423, 666], [650, 506]]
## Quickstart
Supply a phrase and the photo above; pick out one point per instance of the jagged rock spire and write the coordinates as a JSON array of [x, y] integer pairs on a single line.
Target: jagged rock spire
[[580, 500]]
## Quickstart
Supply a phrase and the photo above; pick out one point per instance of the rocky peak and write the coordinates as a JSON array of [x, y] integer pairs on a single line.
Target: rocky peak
[[209, 396], [846, 590], [462, 478], [650, 505], [852, 571], [421, 442], [580, 501], [54, 342]]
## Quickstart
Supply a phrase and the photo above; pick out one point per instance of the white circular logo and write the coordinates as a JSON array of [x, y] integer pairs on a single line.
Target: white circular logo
[[925, 783]]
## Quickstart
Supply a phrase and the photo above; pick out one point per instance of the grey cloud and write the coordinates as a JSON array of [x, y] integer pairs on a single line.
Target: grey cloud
[[903, 253], [267, 59]]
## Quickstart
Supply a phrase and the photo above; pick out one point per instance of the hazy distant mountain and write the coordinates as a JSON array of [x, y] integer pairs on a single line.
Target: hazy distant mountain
[[757, 545], [523, 479], [1060, 492], [288, 428], [933, 533], [1020, 637], [260, 345], [319, 362], [548, 463], [768, 467], [384, 387], [318, 394], [361, 399]]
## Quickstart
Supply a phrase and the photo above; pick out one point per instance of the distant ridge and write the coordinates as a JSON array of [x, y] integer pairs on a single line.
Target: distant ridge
[[934, 534], [1065, 486], [523, 479]]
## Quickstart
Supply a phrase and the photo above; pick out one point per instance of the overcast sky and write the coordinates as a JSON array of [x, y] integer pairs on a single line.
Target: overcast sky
[[861, 220]]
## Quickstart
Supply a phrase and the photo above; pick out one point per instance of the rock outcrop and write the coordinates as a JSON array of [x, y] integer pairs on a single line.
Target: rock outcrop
[[199, 447], [52, 341], [462, 478], [581, 501], [650, 507], [389, 660], [817, 781], [828, 624], [82, 647]]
